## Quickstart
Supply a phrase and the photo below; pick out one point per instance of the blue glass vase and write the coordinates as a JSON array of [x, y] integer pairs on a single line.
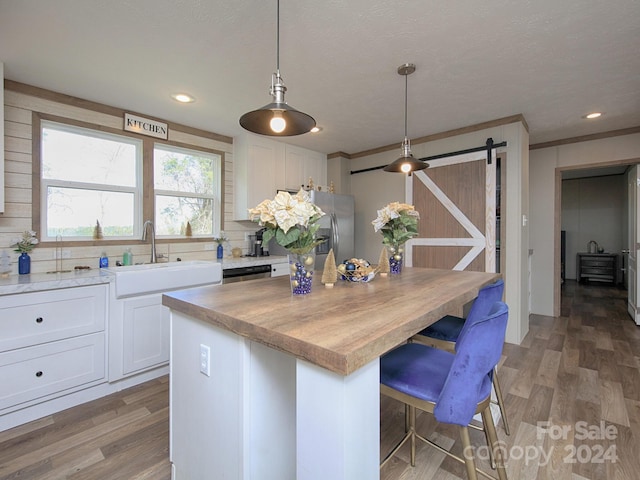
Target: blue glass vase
[[396, 256], [301, 267], [220, 252], [24, 263]]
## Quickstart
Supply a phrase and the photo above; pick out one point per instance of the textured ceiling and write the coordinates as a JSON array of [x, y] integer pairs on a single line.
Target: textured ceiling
[[552, 61]]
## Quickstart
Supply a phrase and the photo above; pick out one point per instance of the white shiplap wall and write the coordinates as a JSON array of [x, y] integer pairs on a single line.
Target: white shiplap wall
[[17, 217]]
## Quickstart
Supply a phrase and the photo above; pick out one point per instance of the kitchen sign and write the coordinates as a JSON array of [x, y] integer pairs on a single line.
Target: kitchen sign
[[144, 126]]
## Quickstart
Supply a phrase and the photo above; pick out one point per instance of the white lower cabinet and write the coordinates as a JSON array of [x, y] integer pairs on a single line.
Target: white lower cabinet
[[280, 269], [40, 317], [35, 372], [145, 333], [53, 343], [138, 336]]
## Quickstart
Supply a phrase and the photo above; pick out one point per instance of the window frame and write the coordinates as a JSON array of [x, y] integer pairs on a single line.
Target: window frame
[[216, 195], [136, 189], [147, 191]]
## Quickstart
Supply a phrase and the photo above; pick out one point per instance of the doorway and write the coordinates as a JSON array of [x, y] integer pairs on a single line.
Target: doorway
[[591, 216]]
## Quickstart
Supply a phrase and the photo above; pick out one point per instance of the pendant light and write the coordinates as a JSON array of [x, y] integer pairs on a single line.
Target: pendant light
[[406, 163], [277, 119]]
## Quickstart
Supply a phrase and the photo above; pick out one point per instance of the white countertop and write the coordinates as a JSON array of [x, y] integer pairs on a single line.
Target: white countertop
[[35, 282]]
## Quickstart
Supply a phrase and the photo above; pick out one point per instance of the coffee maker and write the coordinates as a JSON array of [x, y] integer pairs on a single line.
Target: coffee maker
[[256, 248]]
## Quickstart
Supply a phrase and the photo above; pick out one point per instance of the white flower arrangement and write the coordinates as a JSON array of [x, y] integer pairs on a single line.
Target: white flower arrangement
[[398, 222], [221, 239], [26, 243], [290, 219]]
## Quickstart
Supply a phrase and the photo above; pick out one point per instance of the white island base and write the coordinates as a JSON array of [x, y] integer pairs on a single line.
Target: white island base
[[265, 415]]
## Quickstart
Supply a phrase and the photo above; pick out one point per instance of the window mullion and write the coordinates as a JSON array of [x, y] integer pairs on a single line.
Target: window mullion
[[88, 186], [174, 193]]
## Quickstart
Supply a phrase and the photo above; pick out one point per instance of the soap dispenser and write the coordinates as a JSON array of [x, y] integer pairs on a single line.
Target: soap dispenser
[[127, 257]]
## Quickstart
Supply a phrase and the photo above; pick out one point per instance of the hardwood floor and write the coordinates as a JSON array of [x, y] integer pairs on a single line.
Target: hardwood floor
[[122, 436], [572, 390], [569, 374]]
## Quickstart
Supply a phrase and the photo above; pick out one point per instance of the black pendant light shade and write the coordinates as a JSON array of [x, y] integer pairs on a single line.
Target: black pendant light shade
[[268, 120], [259, 121], [406, 163], [277, 119]]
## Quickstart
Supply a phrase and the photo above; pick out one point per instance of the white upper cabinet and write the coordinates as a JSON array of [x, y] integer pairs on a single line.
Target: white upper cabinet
[[257, 164], [301, 165], [262, 166]]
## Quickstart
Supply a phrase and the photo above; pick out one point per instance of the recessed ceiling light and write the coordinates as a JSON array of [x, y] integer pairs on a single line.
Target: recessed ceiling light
[[593, 115], [183, 98], [316, 129]]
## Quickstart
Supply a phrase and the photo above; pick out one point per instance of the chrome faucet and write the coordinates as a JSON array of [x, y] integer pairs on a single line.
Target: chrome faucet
[[147, 224]]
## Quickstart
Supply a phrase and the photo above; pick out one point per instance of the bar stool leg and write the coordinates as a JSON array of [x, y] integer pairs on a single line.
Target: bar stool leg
[[494, 445], [467, 452], [503, 410]]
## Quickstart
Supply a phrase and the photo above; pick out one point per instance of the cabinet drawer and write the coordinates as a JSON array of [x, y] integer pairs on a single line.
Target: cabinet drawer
[[34, 372], [590, 270], [34, 318], [600, 263], [279, 269]]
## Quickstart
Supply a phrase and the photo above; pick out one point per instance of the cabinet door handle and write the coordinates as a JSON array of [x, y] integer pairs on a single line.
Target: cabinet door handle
[[38, 374], [39, 320]]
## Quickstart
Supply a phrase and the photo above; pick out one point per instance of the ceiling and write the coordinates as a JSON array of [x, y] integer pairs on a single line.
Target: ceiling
[[551, 61]]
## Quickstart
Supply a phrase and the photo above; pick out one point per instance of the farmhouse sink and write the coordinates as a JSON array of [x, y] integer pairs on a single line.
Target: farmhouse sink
[[161, 277]]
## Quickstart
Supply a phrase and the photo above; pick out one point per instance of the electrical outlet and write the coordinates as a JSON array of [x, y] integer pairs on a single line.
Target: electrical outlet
[[205, 364], [209, 246]]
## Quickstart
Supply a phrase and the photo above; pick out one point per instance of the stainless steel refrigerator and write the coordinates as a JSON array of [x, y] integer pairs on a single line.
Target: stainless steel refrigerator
[[336, 227]]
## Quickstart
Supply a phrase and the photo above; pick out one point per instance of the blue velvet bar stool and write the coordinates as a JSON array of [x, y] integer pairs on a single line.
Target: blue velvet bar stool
[[444, 333], [451, 386]]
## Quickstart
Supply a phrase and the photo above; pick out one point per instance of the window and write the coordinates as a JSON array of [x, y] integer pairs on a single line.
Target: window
[[89, 176], [187, 188], [97, 174]]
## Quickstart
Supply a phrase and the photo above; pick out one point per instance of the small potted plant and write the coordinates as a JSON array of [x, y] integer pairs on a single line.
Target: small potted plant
[[24, 245]]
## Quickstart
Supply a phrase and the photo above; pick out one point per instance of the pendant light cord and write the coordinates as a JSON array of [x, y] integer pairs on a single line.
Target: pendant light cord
[[406, 87], [277, 119], [278, 38]]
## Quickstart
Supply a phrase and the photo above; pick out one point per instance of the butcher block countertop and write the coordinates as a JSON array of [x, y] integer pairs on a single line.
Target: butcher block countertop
[[341, 328]]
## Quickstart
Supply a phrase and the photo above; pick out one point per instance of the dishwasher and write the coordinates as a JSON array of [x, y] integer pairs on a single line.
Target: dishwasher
[[241, 274]]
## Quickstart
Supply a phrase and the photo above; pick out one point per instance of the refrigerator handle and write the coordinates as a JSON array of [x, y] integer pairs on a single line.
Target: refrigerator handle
[[334, 232]]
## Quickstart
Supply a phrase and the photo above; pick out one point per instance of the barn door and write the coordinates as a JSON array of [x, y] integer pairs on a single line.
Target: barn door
[[456, 198]]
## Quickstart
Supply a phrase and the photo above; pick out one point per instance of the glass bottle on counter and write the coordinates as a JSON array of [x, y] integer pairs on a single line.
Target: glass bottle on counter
[[127, 257]]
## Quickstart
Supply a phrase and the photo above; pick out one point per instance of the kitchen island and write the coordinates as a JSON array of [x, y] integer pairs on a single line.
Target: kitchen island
[[289, 388]]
